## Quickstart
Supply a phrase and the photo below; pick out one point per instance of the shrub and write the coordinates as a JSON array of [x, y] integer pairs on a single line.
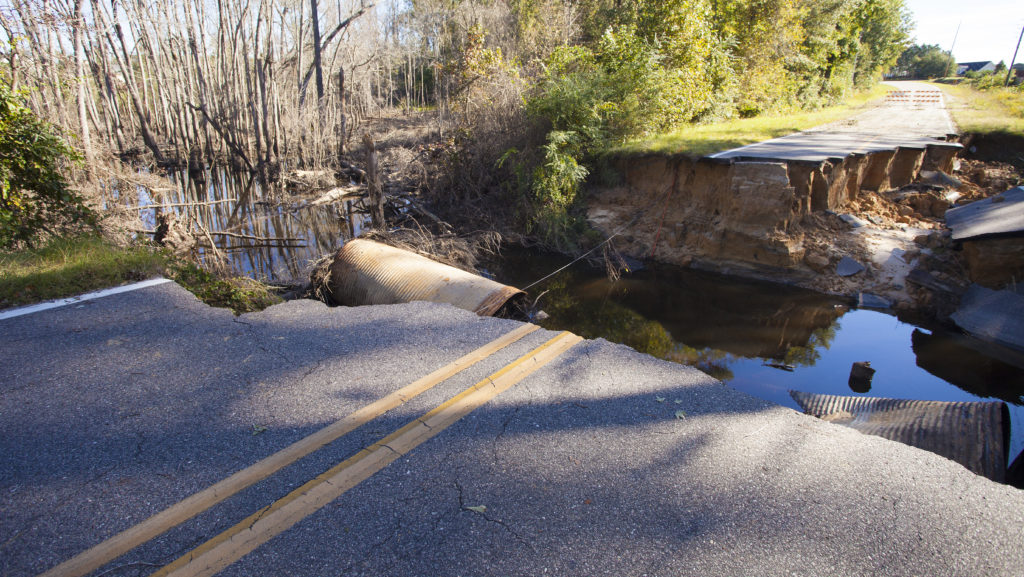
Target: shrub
[[34, 196], [593, 99]]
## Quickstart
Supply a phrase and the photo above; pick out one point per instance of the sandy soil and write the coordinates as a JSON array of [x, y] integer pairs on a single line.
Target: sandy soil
[[901, 230]]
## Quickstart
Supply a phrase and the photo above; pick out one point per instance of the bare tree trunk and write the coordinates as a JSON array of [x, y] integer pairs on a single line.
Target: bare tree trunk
[[41, 45], [316, 51], [342, 121], [125, 63], [12, 56], [105, 82], [374, 188], [300, 43], [78, 24], [261, 77], [200, 77]]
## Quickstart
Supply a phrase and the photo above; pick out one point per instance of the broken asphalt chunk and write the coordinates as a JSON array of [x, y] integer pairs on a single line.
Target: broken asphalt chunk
[[848, 267], [870, 301]]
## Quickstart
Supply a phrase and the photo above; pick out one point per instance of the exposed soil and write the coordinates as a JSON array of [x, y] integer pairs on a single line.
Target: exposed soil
[[903, 234], [1002, 148]]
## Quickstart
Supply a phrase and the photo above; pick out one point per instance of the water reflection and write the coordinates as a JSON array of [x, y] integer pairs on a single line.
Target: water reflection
[[751, 320], [744, 332], [966, 363], [684, 315], [270, 234]]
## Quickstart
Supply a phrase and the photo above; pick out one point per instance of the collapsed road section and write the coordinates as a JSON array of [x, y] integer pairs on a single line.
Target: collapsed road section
[[751, 208], [602, 461]]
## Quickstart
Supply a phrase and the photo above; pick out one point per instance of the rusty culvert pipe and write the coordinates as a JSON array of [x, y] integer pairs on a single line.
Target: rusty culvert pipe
[[365, 272]]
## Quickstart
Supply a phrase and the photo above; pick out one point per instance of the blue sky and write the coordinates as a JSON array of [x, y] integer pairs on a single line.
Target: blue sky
[[988, 28]]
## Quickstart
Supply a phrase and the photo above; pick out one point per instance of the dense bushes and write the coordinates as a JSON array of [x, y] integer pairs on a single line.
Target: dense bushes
[[646, 66], [591, 97], [34, 196]]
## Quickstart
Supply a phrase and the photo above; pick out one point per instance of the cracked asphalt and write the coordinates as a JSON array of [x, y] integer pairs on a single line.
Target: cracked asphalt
[[603, 462]]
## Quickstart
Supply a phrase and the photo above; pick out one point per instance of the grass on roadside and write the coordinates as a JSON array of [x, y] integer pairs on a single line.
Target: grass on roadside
[[65, 267], [986, 112], [240, 294], [703, 139]]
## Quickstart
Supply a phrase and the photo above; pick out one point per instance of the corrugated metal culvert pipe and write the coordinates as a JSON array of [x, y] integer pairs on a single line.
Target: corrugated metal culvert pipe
[[974, 434], [365, 272]]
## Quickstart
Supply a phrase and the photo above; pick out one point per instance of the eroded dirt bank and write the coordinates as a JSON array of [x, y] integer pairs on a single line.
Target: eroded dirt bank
[[866, 225]]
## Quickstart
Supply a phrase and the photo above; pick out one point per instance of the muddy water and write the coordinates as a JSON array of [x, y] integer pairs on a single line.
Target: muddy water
[[766, 339]]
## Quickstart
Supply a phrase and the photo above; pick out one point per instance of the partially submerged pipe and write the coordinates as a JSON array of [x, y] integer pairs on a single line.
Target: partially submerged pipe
[[974, 434], [365, 272]]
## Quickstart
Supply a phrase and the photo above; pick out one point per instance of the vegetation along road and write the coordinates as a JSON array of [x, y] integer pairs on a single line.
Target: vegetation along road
[[232, 146]]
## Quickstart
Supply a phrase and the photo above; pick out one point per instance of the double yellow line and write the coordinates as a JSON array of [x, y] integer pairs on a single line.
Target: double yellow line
[[236, 542]]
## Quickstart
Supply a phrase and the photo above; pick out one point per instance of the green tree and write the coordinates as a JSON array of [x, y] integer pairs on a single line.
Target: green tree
[[847, 44], [765, 36], [924, 61], [34, 196], [882, 29]]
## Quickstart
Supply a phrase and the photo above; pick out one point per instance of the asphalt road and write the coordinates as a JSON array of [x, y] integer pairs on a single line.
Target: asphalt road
[[914, 116], [602, 462]]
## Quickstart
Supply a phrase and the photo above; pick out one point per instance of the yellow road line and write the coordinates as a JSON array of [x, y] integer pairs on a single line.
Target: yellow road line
[[114, 547], [233, 544]]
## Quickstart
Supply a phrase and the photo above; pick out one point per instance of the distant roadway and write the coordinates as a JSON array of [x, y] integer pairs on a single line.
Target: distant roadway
[[913, 115]]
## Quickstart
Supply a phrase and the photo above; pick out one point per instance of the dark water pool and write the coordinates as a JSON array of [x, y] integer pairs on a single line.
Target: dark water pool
[[766, 339], [226, 201]]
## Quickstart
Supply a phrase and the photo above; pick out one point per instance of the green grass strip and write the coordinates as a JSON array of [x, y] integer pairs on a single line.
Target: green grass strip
[[703, 139], [986, 112], [65, 267]]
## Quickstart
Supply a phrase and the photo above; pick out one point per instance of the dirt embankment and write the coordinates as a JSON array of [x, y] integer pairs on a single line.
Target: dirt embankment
[[867, 226]]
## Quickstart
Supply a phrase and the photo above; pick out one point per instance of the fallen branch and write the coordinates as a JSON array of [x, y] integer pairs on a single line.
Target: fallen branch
[[216, 251], [260, 238], [254, 245], [181, 204], [337, 194], [233, 235], [353, 169], [420, 209]]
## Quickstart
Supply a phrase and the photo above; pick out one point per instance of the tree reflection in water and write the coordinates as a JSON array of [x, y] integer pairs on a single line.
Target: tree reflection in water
[[740, 332], [222, 200], [701, 322]]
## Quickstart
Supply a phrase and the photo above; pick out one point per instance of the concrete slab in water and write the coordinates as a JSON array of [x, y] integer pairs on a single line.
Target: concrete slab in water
[[999, 214], [996, 316]]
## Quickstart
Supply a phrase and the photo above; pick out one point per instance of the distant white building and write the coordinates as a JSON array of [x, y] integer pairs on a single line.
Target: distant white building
[[965, 67]]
